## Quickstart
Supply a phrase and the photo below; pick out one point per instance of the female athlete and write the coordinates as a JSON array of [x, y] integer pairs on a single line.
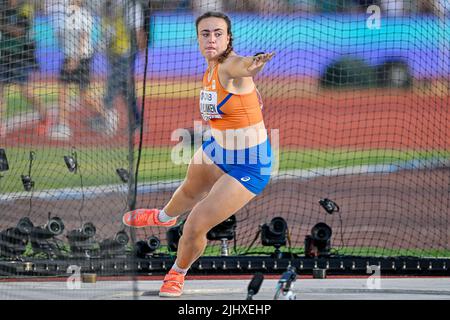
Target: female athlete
[[231, 167]]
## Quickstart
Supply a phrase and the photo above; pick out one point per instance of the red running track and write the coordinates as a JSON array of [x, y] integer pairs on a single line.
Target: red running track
[[366, 119]]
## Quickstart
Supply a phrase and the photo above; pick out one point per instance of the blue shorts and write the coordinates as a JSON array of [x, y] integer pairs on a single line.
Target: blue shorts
[[251, 167]]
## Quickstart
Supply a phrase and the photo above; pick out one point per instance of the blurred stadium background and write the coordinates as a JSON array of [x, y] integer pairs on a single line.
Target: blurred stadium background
[[359, 91]]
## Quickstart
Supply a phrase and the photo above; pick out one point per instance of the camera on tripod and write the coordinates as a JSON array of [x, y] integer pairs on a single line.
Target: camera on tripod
[[54, 227], [116, 246], [82, 242], [43, 237], [318, 243], [224, 232], [13, 241], [275, 234], [148, 246]]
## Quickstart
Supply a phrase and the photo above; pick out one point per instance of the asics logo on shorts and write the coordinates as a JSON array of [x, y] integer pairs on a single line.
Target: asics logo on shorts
[[245, 179]]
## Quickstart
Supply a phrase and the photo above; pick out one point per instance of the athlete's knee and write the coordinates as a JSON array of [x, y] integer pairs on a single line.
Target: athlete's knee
[[194, 233], [190, 192]]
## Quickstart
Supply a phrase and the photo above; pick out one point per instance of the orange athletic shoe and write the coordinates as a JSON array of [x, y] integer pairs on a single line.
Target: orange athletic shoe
[[173, 285], [140, 218]]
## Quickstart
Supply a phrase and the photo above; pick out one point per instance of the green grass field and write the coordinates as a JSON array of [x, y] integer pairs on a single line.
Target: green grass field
[[16, 104], [98, 165], [214, 250]]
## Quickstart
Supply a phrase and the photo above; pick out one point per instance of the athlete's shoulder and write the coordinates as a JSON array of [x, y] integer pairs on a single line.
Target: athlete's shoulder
[[232, 62], [232, 59]]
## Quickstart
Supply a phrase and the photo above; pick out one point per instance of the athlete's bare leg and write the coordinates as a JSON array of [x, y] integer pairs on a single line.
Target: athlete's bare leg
[[225, 198], [201, 176]]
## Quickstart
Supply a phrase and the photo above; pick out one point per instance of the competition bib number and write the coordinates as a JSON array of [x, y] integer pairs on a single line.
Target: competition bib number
[[208, 105]]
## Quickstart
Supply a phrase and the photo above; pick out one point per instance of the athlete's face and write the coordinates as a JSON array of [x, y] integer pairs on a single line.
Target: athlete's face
[[213, 37]]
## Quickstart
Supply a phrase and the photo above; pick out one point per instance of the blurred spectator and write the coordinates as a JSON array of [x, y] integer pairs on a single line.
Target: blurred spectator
[[422, 6], [404, 7], [442, 7], [438, 7], [18, 57], [76, 43], [124, 34], [393, 7], [56, 11], [202, 6], [337, 5], [366, 3], [268, 6], [390, 7], [302, 5]]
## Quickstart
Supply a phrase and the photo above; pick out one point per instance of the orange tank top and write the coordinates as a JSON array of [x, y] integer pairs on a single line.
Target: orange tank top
[[225, 110]]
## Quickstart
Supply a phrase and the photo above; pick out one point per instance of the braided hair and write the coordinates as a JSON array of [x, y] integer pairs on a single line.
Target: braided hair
[[211, 14]]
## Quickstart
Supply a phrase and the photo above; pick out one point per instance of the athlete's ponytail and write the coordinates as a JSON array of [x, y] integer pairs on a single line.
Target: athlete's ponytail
[[223, 16]]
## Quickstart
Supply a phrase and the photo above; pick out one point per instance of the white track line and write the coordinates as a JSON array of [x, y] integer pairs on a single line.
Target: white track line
[[170, 185]]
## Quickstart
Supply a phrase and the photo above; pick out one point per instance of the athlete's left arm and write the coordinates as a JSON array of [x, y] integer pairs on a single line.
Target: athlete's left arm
[[237, 66]]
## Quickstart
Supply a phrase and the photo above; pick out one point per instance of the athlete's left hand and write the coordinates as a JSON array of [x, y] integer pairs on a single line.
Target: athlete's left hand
[[260, 60]]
